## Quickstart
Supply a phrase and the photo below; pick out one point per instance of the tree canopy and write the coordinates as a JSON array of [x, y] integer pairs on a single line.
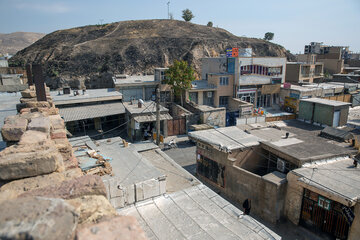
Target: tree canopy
[[269, 36], [187, 15], [210, 24], [179, 76]]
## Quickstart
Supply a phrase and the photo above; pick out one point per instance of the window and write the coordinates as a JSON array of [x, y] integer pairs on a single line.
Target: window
[[210, 169], [223, 101], [324, 203], [224, 81]]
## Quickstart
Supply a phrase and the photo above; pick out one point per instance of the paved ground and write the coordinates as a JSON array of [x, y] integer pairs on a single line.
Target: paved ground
[[8, 103], [185, 156]]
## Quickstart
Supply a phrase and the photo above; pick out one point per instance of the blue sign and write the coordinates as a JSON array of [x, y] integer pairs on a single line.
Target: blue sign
[[295, 95], [229, 52]]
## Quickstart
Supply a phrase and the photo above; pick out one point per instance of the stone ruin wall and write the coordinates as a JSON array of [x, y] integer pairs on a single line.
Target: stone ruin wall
[[43, 192]]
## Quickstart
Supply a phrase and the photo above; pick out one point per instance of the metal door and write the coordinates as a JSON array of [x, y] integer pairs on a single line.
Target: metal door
[[336, 119]]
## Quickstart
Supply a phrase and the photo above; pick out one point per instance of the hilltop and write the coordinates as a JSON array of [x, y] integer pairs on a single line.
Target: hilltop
[[11, 43], [133, 47]]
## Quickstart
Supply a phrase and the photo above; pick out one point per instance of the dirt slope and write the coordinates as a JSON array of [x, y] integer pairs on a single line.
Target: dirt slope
[[133, 47]]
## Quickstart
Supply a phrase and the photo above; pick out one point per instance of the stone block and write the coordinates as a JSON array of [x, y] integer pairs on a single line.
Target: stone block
[[25, 110], [58, 134], [57, 123], [119, 228], [20, 161], [74, 188], [30, 115], [37, 218], [27, 184], [26, 100], [41, 124], [14, 128], [40, 104], [91, 209], [70, 163], [64, 147], [73, 173], [33, 137], [27, 93]]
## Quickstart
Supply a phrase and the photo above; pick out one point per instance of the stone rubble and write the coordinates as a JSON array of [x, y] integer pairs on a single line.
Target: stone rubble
[[43, 192]]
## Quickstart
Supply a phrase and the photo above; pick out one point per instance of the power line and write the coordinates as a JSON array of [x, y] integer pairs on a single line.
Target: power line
[[122, 124]]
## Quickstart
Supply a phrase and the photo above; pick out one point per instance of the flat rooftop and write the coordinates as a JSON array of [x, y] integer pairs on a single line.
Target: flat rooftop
[[230, 138], [303, 144], [147, 107], [91, 111], [326, 102], [195, 213], [91, 95], [338, 177]]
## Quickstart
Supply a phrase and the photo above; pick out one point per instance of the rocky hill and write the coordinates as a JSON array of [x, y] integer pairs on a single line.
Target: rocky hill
[[11, 43], [132, 47]]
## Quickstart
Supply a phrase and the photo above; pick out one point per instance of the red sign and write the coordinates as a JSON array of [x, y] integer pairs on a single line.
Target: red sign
[[235, 52], [287, 85]]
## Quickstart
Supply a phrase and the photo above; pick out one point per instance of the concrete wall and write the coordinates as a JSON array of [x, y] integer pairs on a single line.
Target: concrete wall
[[267, 197], [292, 73], [293, 199], [332, 66], [216, 117], [213, 65]]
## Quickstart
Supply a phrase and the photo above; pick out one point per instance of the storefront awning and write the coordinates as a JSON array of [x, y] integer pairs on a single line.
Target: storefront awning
[[152, 118]]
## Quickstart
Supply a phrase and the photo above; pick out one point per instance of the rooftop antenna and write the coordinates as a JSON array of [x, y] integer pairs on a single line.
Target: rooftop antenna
[[168, 5]]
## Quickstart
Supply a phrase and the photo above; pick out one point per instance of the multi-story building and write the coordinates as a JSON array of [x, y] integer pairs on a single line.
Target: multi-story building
[[253, 79], [306, 70], [332, 56]]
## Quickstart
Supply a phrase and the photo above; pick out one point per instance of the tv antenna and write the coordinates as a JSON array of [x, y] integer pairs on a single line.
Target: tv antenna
[[168, 5]]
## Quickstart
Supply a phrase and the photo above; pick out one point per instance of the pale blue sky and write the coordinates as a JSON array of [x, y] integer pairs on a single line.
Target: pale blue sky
[[294, 22]]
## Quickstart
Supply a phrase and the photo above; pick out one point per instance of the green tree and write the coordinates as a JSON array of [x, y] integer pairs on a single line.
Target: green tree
[[187, 15], [210, 24], [179, 76], [269, 36]]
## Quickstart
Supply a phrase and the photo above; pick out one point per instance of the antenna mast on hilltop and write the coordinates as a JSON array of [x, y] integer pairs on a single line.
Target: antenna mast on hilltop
[[168, 4]]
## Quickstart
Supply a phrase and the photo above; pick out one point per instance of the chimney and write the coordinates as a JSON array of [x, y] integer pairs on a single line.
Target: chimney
[[39, 82], [29, 75], [287, 135], [139, 104]]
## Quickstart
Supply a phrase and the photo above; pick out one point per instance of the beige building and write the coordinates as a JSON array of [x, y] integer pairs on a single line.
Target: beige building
[[303, 72], [332, 56], [252, 79]]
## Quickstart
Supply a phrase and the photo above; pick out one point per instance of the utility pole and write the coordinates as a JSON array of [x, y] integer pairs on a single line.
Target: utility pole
[[158, 115], [168, 4]]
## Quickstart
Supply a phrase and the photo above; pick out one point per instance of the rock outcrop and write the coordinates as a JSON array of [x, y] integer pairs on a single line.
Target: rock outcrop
[[86, 55]]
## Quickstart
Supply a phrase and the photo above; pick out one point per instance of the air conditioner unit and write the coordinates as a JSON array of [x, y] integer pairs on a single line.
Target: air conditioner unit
[[209, 94], [280, 165]]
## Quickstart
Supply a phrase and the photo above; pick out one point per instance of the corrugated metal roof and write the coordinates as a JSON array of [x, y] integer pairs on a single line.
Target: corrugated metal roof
[[92, 111], [152, 118]]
